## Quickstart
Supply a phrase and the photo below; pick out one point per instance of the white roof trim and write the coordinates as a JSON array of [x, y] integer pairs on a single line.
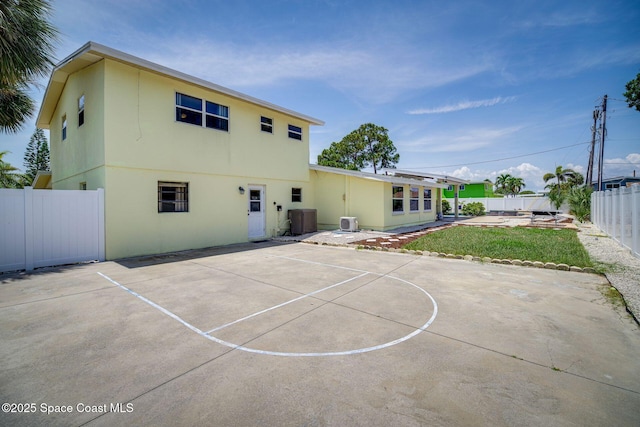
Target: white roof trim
[[93, 52], [378, 177], [437, 177]]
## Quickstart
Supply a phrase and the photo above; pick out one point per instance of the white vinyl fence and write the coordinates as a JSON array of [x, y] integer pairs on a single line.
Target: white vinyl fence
[[40, 228], [510, 203], [617, 213]]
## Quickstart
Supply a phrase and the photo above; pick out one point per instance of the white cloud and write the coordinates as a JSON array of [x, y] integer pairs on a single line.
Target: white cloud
[[458, 140], [463, 105], [531, 174], [622, 166]]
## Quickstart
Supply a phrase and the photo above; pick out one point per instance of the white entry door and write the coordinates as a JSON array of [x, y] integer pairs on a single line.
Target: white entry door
[[256, 212]]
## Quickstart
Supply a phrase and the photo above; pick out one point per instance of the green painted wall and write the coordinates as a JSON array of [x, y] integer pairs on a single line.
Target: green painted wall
[[473, 189]]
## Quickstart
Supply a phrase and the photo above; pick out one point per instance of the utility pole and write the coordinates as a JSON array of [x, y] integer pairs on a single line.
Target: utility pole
[[604, 131], [596, 116]]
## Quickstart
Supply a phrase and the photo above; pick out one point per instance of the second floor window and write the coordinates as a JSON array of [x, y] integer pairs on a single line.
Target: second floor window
[[266, 124], [189, 109], [295, 132], [64, 127], [81, 111]]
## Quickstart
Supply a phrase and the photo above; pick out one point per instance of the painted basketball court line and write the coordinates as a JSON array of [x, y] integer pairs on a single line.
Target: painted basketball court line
[[362, 273]]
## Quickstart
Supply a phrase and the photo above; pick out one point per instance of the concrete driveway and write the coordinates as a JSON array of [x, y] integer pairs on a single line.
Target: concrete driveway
[[306, 335]]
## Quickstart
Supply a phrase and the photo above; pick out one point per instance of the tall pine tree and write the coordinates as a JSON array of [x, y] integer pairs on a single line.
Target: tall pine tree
[[36, 157]]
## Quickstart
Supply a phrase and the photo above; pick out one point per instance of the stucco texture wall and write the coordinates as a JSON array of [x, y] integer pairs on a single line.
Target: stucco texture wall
[[81, 156]]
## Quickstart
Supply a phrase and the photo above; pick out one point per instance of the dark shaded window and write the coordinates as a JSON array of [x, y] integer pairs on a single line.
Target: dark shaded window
[[414, 199], [397, 198], [296, 194], [427, 199], [173, 196], [188, 109], [81, 111], [217, 116], [295, 132], [266, 124]]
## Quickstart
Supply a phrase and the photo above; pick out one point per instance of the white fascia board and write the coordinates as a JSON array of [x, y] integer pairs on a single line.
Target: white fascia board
[[91, 52], [379, 177], [438, 177]]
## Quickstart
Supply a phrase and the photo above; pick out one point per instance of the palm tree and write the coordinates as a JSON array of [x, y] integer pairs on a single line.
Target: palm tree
[[561, 175], [8, 176], [26, 49], [502, 183], [514, 185], [558, 190]]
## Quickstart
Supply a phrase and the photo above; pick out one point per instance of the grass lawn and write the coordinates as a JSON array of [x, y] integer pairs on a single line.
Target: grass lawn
[[530, 244]]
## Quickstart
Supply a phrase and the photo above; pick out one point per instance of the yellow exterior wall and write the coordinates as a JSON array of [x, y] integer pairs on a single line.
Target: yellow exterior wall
[[339, 195], [80, 157], [142, 131], [217, 211], [393, 220], [145, 144]]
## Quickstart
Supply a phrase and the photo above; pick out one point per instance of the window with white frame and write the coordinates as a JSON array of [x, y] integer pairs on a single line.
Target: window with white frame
[[450, 188], [266, 124], [173, 196], [427, 199], [81, 111], [397, 199], [461, 188], [414, 199], [295, 132], [217, 116], [189, 110], [64, 127], [296, 194]]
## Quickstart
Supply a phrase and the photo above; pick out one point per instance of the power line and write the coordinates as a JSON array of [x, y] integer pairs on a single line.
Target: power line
[[505, 158]]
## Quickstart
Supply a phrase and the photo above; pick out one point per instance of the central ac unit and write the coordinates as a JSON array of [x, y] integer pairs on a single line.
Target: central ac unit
[[348, 223]]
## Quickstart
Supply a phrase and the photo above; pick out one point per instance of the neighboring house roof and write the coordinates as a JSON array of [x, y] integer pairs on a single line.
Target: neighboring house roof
[[93, 52], [427, 175], [620, 179], [425, 181], [42, 180]]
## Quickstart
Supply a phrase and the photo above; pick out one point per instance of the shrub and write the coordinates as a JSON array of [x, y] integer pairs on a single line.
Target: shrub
[[473, 209], [446, 207], [579, 199]]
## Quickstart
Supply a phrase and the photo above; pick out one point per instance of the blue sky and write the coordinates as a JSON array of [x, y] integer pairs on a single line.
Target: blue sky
[[469, 88]]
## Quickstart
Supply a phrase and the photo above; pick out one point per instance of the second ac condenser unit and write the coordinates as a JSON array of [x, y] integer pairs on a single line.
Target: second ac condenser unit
[[348, 223]]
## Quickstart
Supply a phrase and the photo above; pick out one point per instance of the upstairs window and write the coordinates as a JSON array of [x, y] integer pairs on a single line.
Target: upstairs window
[[296, 194], [81, 111], [427, 199], [295, 132], [64, 127], [217, 116], [188, 109], [414, 199], [266, 124], [397, 199], [173, 196]]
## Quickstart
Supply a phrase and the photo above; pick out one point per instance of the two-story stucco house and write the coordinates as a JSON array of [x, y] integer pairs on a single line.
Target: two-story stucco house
[[187, 164]]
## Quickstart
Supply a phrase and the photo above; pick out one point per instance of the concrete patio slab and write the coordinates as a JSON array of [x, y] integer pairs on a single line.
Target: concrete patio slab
[[299, 334]]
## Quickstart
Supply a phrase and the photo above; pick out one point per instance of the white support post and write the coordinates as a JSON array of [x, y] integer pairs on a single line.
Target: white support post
[[635, 220], [28, 229], [101, 227]]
